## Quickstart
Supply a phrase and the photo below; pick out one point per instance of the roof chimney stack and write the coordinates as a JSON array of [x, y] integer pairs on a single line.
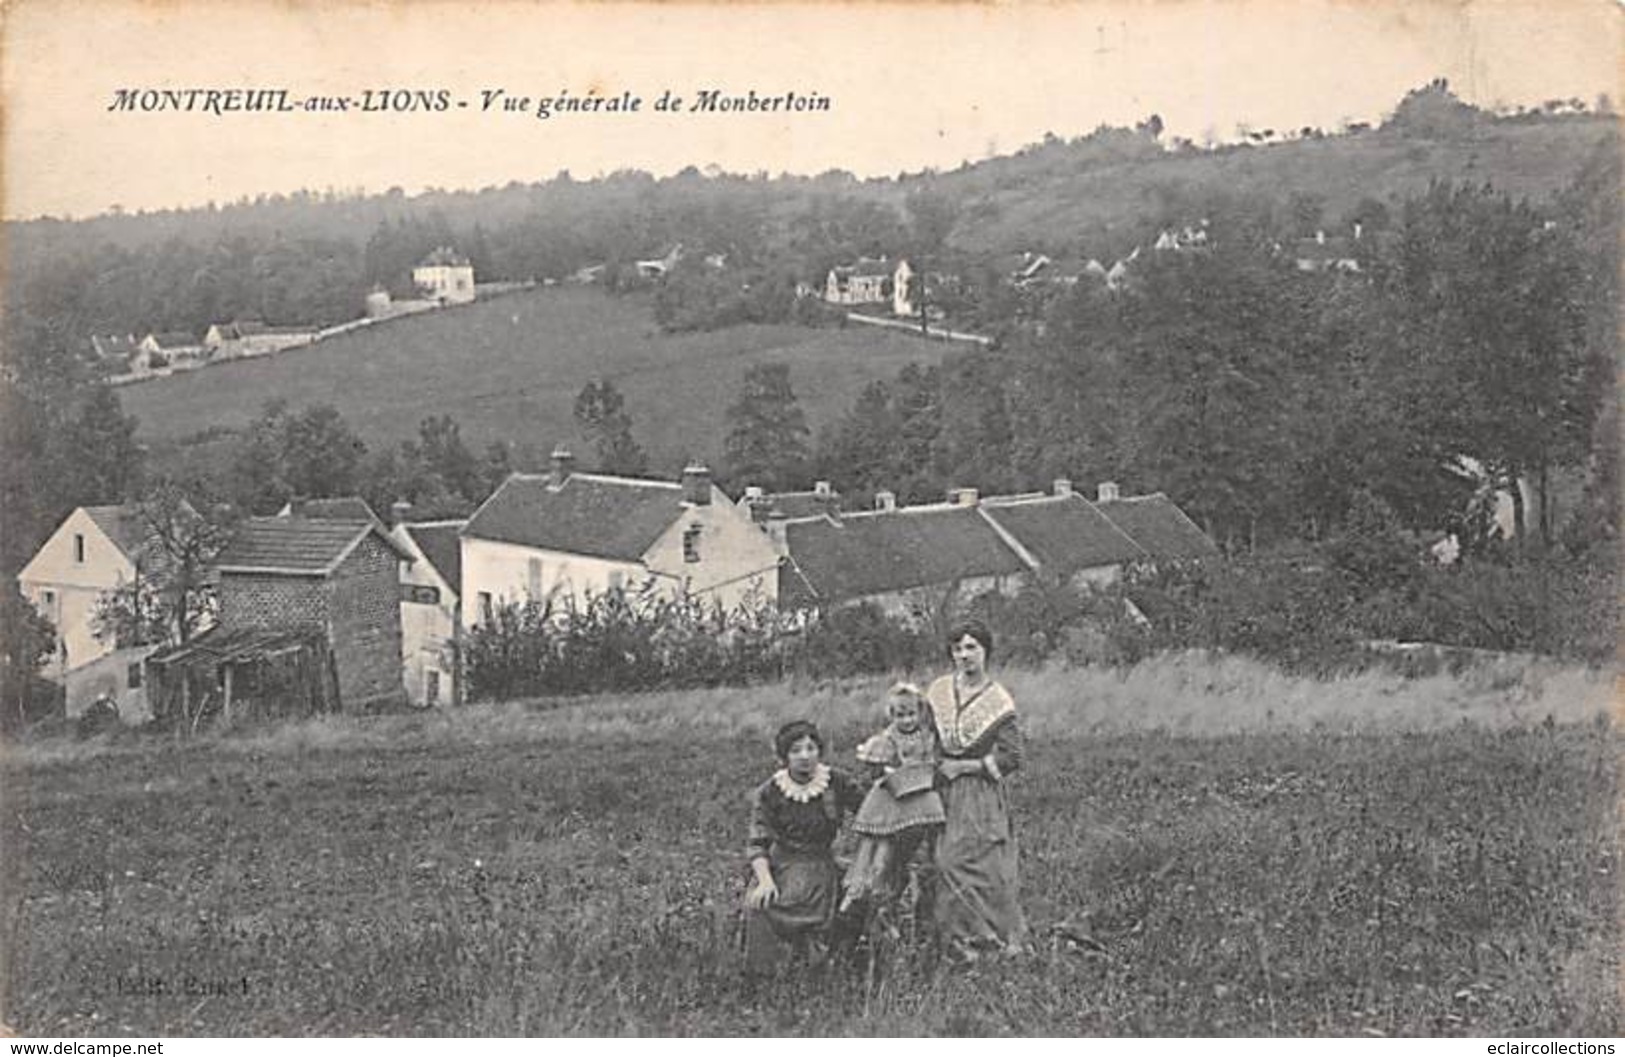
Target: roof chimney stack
[[564, 464], [1107, 492], [1063, 486], [399, 510], [885, 500], [821, 489], [697, 484]]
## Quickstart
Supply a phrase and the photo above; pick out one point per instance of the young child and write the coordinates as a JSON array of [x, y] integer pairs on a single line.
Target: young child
[[902, 812]]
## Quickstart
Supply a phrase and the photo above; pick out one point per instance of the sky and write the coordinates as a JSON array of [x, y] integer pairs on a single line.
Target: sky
[[910, 85]]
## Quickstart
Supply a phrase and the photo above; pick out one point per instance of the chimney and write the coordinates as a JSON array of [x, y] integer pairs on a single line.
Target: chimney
[[697, 484], [1107, 492], [1320, 236], [821, 489], [757, 504], [964, 496], [398, 511], [1358, 228], [564, 465], [1063, 486], [885, 500]]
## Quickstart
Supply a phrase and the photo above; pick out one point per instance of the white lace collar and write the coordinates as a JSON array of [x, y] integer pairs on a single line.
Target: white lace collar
[[801, 792]]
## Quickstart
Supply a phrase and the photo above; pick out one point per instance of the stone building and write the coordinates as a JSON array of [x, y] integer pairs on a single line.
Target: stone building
[[339, 577]]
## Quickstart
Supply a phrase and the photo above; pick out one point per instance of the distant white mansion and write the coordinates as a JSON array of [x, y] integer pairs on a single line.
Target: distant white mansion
[[445, 276]]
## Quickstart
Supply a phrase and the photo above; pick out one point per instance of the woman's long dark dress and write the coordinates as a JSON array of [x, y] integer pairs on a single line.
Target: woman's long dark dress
[[796, 837], [977, 885]]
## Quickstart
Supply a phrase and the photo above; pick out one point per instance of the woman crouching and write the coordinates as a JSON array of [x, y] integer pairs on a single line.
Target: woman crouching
[[794, 819]]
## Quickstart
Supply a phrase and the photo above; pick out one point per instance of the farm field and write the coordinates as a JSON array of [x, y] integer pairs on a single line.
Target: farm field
[[510, 368], [572, 867]]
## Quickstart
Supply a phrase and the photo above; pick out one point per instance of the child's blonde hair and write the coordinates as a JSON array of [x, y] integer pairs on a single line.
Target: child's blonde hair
[[904, 691]]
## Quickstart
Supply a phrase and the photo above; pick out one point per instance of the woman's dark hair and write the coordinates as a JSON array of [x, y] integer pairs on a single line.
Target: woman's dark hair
[[976, 630], [793, 732]]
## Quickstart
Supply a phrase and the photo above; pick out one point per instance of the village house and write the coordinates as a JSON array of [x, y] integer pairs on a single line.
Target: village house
[[445, 276], [431, 613], [760, 506], [96, 549], [115, 349], [339, 578], [657, 267], [157, 351], [907, 559], [871, 281], [253, 338], [1322, 253], [565, 534]]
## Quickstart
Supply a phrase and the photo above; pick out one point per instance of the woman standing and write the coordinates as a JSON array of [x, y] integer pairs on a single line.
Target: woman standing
[[976, 901]]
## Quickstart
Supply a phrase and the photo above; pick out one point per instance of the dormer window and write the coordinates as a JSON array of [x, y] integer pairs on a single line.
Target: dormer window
[[79, 548], [691, 543]]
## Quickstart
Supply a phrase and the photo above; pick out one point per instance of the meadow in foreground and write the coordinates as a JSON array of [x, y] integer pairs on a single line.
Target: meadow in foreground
[[533, 870]]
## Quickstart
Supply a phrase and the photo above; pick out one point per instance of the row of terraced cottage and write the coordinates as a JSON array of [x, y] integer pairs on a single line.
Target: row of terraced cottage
[[388, 603]]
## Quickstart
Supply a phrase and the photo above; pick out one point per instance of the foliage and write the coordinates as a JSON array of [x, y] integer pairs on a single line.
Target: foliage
[[601, 415], [172, 595], [766, 443], [311, 454], [27, 640]]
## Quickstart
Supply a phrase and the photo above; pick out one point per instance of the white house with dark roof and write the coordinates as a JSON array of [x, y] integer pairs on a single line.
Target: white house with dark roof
[[870, 281], [95, 550], [569, 534], [445, 276], [431, 610]]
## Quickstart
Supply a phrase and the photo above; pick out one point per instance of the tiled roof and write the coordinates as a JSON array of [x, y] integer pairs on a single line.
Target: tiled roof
[[444, 257], [333, 508], [122, 525], [1157, 524], [297, 546], [882, 552], [800, 504], [866, 267], [1064, 533], [603, 517], [442, 545]]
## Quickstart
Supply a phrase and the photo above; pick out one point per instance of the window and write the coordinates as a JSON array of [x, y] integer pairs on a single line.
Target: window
[[79, 548], [533, 577], [431, 687], [423, 594], [48, 597], [691, 543], [132, 677], [486, 609], [617, 580]]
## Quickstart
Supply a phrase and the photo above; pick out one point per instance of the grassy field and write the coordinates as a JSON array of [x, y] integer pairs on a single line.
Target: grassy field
[[510, 369], [1253, 855]]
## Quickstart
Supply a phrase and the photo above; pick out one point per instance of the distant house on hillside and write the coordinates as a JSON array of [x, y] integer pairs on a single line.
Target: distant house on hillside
[[571, 534], [157, 351], [871, 281], [340, 579], [909, 558], [249, 337], [1321, 253], [431, 611], [445, 276], [657, 267], [115, 349]]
